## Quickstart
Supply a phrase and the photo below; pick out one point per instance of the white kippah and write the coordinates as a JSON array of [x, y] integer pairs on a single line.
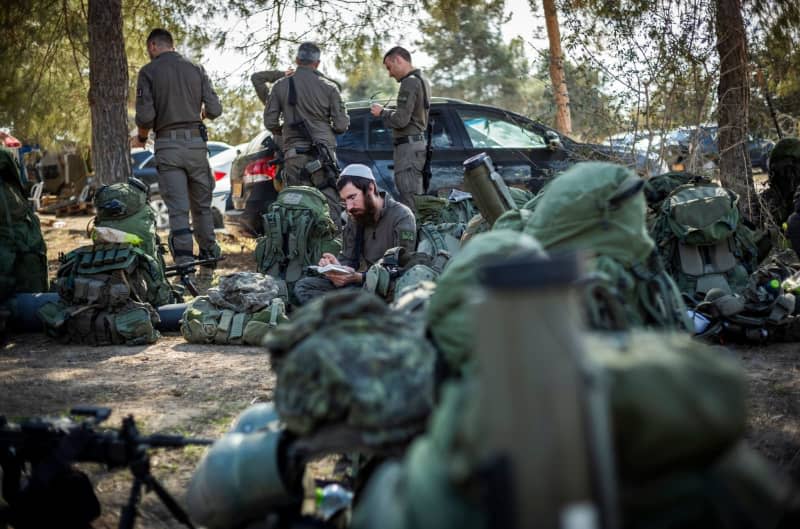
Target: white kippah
[[358, 170]]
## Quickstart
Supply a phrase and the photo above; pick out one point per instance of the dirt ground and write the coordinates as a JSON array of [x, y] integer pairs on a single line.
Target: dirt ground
[[195, 390]]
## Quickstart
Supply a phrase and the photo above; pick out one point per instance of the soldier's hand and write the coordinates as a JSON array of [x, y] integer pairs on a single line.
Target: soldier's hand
[[136, 143], [340, 280], [328, 258], [289, 72], [375, 109]]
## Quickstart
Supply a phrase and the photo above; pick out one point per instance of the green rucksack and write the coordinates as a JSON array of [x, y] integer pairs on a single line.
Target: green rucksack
[[107, 293], [243, 308], [348, 363], [703, 242], [399, 270], [457, 208], [677, 409], [599, 208], [23, 254], [298, 229], [433, 239], [478, 224]]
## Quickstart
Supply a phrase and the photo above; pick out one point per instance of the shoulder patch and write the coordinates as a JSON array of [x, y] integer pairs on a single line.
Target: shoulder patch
[[402, 97], [407, 235]]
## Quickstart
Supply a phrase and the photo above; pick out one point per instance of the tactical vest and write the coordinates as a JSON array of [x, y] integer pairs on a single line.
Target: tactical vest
[[399, 270], [298, 229], [107, 292], [204, 322]]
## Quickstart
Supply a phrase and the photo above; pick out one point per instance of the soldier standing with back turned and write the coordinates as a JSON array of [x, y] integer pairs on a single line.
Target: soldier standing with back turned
[[173, 97], [313, 114], [408, 121]]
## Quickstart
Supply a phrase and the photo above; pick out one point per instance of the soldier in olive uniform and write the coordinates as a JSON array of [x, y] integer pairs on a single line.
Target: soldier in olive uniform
[[408, 121], [306, 109], [261, 82], [173, 97], [375, 223]]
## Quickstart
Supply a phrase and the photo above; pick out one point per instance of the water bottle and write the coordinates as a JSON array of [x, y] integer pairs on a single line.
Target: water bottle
[[332, 499]]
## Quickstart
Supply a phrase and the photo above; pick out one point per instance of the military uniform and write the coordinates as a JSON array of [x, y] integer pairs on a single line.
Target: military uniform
[[320, 105], [261, 81], [409, 121], [363, 246], [169, 95]]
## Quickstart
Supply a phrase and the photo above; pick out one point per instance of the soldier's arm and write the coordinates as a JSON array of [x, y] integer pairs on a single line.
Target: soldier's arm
[[406, 99], [340, 121], [260, 80], [405, 232], [145, 108], [211, 104], [272, 113]]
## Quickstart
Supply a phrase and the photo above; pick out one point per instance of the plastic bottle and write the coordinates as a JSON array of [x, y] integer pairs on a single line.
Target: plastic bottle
[[332, 499]]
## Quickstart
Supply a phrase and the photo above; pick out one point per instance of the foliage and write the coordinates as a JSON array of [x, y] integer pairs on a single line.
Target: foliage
[[242, 115], [471, 60]]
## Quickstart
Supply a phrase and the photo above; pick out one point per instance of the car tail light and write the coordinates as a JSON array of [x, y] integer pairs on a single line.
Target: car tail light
[[259, 170], [219, 175]]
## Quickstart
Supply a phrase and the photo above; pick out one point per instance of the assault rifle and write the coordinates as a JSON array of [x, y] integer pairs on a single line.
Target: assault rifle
[[52, 493], [185, 271], [325, 161]]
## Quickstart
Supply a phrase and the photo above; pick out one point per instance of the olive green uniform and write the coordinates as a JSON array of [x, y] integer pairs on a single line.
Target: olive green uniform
[[409, 121], [261, 82], [396, 226], [320, 105], [170, 94]]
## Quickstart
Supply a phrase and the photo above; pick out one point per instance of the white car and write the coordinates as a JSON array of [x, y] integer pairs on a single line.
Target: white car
[[220, 157]]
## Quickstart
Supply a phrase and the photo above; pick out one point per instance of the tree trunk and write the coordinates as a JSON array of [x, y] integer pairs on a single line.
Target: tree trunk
[[734, 98], [563, 118], [108, 92]]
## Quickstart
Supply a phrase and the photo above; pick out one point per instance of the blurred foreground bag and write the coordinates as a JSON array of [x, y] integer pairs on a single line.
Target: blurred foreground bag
[[242, 309], [678, 412], [347, 361]]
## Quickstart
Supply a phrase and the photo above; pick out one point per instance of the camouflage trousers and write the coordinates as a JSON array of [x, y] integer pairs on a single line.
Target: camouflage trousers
[[409, 160], [295, 174]]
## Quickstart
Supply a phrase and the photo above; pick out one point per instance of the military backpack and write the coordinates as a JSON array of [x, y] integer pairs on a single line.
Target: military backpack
[[243, 308], [703, 241], [298, 229], [399, 270], [107, 292]]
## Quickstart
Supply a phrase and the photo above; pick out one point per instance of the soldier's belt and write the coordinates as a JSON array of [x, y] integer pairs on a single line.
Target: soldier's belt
[[409, 139], [294, 151], [179, 134]]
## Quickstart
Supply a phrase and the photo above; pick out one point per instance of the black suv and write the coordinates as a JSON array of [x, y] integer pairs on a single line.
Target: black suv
[[524, 152]]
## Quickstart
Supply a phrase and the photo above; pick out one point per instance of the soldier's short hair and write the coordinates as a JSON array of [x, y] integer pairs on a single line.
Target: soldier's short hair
[[161, 37], [308, 53], [399, 51]]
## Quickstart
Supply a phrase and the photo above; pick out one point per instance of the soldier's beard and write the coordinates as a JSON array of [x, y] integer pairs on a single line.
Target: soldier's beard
[[365, 216]]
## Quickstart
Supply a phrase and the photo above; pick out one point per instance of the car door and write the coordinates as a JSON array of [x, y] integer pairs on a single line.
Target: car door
[[520, 148], [447, 157]]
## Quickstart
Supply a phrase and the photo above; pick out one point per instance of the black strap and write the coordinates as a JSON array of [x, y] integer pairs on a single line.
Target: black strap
[[359, 246], [182, 231], [292, 93]]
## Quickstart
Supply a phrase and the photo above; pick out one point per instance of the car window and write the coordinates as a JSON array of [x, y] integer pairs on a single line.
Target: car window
[[138, 157], [353, 138], [215, 149], [151, 162], [486, 130], [380, 136]]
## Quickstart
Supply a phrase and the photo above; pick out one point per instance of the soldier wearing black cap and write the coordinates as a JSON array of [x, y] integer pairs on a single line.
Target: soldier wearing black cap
[[375, 223], [173, 97], [306, 109], [408, 121]]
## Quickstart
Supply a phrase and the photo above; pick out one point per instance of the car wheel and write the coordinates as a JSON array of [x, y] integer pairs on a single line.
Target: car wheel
[[162, 215]]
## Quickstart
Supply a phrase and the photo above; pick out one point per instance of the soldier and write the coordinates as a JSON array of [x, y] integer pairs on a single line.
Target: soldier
[[408, 121], [261, 82], [375, 223], [173, 97], [312, 115]]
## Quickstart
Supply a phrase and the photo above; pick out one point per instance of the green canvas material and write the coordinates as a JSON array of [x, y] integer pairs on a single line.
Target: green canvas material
[[298, 229]]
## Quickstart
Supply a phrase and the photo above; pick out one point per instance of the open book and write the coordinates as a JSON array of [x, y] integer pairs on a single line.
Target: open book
[[331, 269]]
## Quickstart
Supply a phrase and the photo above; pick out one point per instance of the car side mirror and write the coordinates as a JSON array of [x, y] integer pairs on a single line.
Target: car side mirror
[[553, 140]]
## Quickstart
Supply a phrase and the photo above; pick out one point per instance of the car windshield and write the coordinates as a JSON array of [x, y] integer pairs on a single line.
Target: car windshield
[[493, 131]]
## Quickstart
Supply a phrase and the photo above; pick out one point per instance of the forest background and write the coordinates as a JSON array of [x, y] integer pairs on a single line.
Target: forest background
[[640, 66]]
